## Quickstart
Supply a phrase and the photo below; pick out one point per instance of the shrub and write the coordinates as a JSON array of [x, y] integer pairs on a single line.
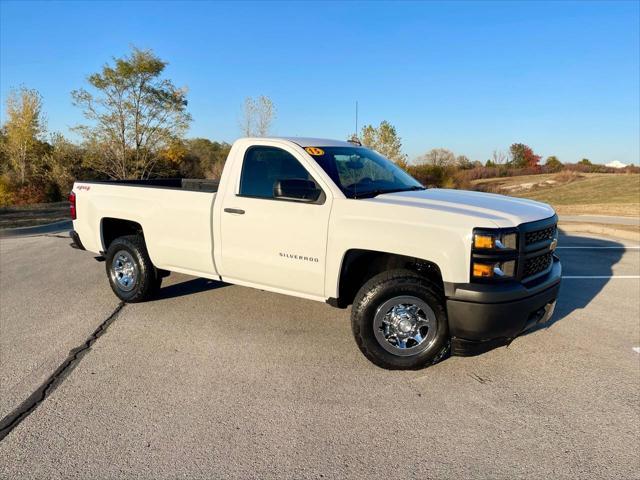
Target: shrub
[[440, 176], [29, 193], [566, 176], [6, 192]]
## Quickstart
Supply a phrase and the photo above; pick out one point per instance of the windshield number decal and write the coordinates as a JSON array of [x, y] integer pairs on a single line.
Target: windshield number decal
[[315, 151]]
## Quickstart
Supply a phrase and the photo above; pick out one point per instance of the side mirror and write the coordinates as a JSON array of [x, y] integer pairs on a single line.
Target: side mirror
[[296, 189]]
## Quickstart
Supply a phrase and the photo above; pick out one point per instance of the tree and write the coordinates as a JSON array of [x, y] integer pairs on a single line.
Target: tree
[[384, 139], [463, 162], [522, 156], [553, 164], [439, 157], [257, 116], [585, 161], [134, 115], [206, 156], [498, 157], [62, 164], [23, 130]]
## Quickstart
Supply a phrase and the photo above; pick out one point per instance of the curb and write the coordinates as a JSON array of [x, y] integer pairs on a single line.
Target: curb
[[609, 220], [54, 227], [599, 229]]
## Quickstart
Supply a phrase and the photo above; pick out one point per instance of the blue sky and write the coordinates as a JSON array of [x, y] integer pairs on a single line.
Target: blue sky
[[472, 77]]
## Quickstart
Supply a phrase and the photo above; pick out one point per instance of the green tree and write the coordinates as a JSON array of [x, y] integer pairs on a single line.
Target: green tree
[[134, 115], [553, 164], [585, 161], [385, 140], [522, 156], [23, 130]]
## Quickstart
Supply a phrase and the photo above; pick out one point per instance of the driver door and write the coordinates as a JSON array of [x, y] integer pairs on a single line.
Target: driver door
[[269, 240]]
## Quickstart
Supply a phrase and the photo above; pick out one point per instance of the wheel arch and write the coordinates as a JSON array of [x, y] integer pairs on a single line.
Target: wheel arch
[[360, 265], [112, 228]]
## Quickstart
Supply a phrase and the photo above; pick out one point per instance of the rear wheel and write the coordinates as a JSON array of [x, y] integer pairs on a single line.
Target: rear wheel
[[399, 321], [132, 276]]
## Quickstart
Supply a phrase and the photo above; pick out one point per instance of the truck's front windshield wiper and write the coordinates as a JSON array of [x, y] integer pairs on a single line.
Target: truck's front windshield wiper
[[380, 191]]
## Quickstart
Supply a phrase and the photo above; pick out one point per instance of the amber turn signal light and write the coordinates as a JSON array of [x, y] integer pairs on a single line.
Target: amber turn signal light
[[482, 270], [484, 241]]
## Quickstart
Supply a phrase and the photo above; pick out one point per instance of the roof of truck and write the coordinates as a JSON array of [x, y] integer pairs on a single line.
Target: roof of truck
[[315, 142]]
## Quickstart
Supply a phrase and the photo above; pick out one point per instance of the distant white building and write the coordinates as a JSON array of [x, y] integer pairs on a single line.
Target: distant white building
[[615, 164]]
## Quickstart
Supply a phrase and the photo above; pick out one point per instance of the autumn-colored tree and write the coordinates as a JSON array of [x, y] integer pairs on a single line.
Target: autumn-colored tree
[[174, 152], [384, 139], [134, 115], [522, 156], [23, 131]]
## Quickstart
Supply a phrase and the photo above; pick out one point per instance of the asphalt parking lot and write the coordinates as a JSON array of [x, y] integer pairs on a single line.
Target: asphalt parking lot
[[219, 381]]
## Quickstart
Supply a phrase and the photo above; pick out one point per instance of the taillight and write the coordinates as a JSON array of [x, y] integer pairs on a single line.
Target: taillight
[[72, 201]]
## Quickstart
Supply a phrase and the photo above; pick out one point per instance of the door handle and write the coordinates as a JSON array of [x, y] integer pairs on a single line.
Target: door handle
[[237, 211]]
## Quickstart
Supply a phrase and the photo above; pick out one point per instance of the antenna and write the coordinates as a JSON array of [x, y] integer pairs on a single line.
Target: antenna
[[354, 138], [356, 132]]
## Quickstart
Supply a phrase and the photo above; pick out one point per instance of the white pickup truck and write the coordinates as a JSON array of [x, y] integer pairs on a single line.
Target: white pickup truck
[[425, 270]]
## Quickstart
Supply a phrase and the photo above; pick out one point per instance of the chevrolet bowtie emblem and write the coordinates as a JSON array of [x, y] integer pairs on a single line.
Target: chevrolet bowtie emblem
[[554, 244]]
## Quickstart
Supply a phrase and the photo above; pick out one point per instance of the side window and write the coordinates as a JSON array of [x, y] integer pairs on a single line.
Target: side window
[[263, 166]]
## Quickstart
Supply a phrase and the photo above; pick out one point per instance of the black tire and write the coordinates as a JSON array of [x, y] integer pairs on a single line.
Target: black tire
[[146, 281], [382, 289]]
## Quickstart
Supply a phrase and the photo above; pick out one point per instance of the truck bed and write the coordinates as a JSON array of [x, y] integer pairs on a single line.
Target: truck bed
[[190, 184]]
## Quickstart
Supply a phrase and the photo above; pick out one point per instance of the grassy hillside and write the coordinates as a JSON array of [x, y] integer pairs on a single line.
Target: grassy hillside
[[571, 193]]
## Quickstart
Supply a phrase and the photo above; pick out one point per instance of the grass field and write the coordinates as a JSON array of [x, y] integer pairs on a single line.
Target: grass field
[[574, 194]]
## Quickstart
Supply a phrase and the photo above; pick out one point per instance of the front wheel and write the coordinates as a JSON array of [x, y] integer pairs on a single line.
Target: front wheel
[[132, 276], [399, 321]]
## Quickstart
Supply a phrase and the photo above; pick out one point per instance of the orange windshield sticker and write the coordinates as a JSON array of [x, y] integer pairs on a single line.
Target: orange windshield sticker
[[314, 151]]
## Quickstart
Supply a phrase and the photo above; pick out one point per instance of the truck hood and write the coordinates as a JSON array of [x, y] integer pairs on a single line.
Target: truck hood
[[501, 210]]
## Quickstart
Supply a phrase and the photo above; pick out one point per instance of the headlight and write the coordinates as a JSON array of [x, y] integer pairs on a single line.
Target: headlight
[[494, 254], [485, 240], [494, 269]]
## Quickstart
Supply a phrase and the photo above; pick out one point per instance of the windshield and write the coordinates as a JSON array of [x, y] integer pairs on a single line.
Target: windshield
[[362, 173]]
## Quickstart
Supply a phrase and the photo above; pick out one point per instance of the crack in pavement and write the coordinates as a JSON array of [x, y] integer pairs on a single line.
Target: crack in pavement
[[479, 379], [51, 235], [13, 419]]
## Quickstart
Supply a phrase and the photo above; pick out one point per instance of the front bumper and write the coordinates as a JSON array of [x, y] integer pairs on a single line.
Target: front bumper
[[483, 316]]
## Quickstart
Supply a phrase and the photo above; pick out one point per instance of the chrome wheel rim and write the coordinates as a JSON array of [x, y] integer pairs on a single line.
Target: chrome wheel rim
[[405, 326], [124, 271]]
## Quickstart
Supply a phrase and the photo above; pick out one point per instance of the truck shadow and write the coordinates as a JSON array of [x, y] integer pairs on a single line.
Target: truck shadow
[[188, 287], [592, 258]]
